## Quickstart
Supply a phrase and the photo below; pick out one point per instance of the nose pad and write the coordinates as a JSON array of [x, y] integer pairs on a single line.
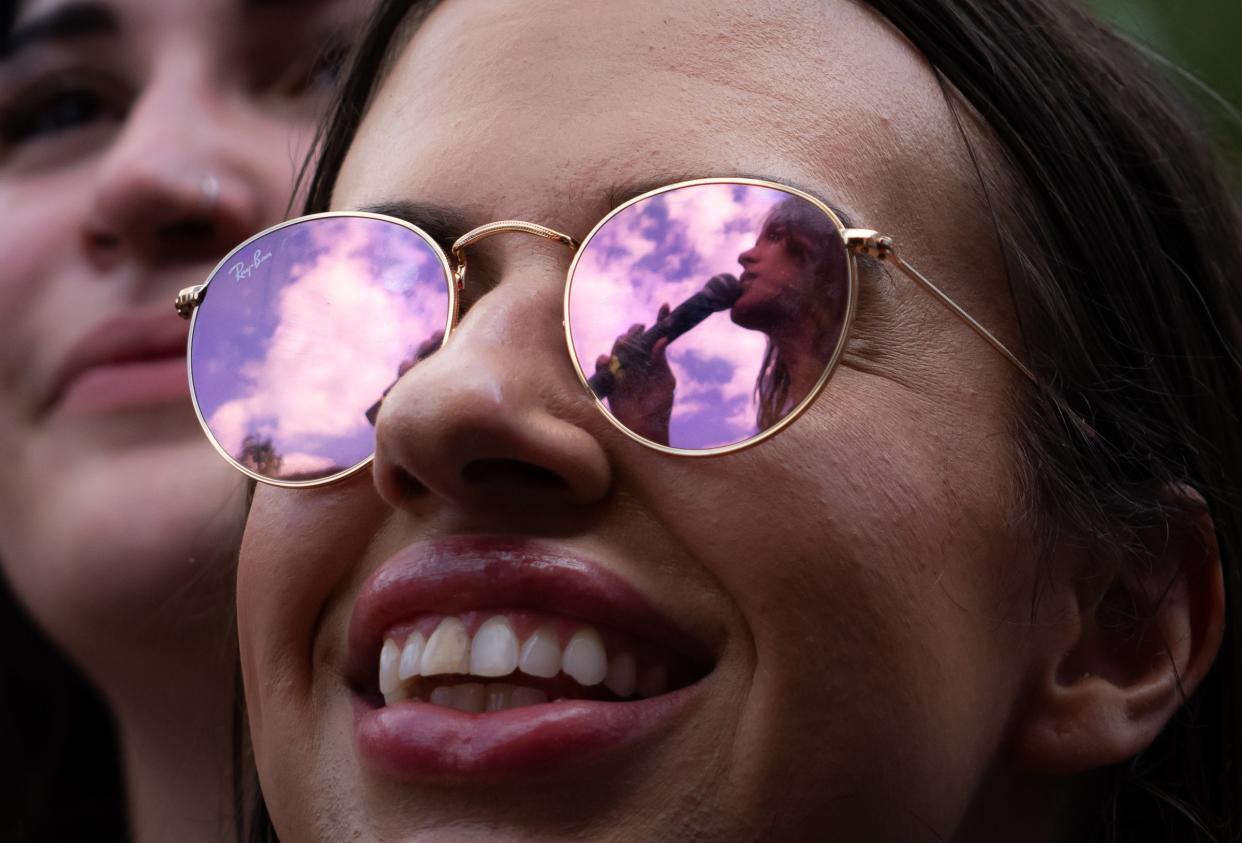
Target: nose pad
[[488, 419]]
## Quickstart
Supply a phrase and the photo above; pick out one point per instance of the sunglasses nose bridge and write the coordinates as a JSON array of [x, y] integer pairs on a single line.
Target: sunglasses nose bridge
[[501, 227]]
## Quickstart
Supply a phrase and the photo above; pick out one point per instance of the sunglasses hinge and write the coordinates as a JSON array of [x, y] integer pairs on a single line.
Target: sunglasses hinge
[[864, 241], [188, 299]]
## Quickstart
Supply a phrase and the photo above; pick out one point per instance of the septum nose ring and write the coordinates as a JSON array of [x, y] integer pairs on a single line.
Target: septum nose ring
[[209, 189]]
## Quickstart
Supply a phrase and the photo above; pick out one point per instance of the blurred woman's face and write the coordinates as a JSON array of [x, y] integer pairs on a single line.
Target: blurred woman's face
[[804, 640], [139, 140]]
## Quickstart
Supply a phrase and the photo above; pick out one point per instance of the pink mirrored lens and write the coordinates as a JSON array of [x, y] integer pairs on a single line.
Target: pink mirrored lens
[[754, 286], [300, 334]]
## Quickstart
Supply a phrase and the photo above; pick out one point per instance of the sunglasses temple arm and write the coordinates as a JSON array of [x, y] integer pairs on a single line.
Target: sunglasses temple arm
[[881, 248], [961, 314]]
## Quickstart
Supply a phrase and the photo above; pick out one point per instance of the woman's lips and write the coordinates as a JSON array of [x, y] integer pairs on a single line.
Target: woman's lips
[[132, 359], [118, 386], [421, 741], [523, 584]]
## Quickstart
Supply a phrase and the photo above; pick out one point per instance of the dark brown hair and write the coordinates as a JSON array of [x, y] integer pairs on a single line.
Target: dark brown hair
[[1125, 266]]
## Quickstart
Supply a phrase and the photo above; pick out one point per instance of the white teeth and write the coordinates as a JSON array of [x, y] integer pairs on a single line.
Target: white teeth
[[501, 697], [541, 654], [390, 654], [622, 674], [411, 657], [584, 658], [528, 696], [653, 682], [447, 650], [468, 697], [396, 696], [494, 651]]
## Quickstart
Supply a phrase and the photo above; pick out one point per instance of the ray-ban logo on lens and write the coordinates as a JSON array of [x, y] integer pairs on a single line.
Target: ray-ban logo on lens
[[242, 270]]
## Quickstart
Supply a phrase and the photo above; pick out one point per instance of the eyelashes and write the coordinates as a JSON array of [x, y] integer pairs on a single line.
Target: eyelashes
[[54, 106], [61, 102]]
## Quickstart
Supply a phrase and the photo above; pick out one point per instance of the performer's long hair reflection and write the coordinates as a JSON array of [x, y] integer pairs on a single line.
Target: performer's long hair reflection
[[792, 288]]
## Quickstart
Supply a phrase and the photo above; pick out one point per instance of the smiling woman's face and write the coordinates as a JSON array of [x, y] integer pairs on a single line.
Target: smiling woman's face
[[830, 606]]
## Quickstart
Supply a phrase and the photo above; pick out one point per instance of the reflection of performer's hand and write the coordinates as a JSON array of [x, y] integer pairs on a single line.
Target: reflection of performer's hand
[[425, 349], [642, 397]]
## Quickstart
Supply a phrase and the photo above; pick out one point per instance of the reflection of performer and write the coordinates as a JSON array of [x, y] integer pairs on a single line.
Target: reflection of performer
[[793, 289], [425, 349]]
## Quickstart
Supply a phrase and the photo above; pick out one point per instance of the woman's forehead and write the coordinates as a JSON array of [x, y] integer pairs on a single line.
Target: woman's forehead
[[524, 109]]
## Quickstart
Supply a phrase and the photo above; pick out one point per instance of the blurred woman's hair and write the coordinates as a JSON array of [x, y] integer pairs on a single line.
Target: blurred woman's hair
[[1124, 263]]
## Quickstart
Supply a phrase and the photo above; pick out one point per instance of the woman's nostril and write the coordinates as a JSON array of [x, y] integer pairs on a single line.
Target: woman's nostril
[[186, 229], [406, 484], [512, 473]]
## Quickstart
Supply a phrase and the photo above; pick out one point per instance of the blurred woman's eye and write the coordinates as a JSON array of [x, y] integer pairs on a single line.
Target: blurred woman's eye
[[57, 105]]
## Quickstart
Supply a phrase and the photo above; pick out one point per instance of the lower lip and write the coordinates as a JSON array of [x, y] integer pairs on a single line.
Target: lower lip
[[122, 386], [419, 741]]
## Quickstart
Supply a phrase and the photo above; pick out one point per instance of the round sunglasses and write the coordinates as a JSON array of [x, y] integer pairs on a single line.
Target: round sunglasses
[[702, 317]]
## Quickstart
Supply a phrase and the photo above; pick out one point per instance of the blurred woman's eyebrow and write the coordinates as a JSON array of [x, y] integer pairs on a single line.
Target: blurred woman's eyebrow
[[70, 22]]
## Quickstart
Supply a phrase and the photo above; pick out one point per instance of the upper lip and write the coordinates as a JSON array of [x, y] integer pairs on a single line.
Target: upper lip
[[445, 576], [151, 333]]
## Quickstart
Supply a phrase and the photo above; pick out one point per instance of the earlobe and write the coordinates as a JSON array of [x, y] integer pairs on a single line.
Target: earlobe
[[1124, 651]]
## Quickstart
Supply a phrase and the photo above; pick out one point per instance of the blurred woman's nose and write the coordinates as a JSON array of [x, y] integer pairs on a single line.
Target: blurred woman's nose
[[495, 416], [178, 184], [748, 257]]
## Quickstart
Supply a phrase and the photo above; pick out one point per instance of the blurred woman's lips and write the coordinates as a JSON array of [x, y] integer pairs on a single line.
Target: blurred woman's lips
[[133, 359], [481, 657]]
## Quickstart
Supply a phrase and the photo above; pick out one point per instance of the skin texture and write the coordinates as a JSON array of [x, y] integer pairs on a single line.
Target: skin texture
[[862, 578], [116, 526]]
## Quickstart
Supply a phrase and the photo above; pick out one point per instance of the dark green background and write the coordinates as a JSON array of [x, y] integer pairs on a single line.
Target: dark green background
[[1203, 37]]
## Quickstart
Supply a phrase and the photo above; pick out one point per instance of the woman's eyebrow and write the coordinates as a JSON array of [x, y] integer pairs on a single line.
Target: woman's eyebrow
[[621, 192], [70, 22], [444, 224]]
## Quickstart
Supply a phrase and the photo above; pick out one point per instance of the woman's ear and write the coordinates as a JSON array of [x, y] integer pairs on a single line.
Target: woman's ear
[[1124, 649]]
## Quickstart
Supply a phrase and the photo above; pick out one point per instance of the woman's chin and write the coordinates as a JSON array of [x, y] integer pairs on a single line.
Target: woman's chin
[[88, 547]]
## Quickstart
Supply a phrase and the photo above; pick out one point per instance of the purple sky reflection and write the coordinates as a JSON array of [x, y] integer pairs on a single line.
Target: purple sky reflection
[[664, 250], [303, 331]]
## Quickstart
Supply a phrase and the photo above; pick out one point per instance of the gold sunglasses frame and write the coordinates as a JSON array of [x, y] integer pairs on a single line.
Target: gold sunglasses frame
[[856, 241]]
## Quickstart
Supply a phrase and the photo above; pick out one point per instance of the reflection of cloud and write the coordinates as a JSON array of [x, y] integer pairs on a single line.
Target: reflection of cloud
[[664, 250], [346, 300], [307, 464]]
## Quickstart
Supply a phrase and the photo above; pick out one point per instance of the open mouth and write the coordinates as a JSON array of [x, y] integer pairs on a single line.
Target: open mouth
[[486, 656], [488, 660]]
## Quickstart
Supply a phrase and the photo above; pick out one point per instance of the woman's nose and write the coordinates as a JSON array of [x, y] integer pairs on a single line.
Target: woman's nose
[[495, 416], [747, 258], [175, 187]]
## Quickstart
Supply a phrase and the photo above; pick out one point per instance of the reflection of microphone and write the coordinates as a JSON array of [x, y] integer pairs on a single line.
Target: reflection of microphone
[[717, 294]]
